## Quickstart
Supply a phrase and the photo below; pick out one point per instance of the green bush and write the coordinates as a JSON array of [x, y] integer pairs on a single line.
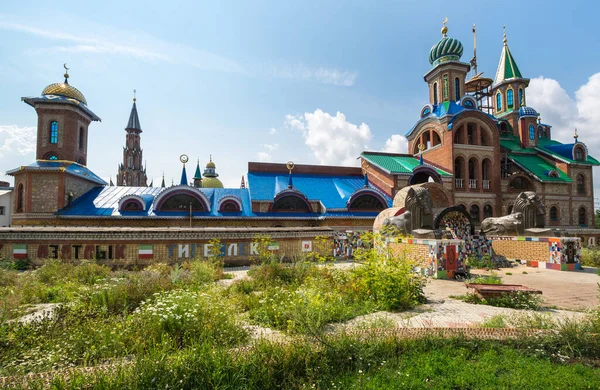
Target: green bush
[[516, 300], [487, 279], [388, 281], [475, 261], [590, 257]]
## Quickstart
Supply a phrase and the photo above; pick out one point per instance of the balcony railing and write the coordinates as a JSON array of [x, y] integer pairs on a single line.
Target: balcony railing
[[459, 183], [486, 184], [472, 183]]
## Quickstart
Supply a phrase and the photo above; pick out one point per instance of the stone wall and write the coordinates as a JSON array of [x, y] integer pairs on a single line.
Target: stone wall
[[131, 246]]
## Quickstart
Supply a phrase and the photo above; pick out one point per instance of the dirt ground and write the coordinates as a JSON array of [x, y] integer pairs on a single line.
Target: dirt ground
[[570, 290]]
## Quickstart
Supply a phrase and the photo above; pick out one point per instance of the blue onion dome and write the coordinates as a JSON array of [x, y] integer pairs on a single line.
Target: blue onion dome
[[527, 111], [447, 49]]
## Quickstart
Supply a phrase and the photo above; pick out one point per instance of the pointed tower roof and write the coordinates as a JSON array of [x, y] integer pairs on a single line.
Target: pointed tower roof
[[243, 183], [183, 181], [163, 181], [198, 175], [507, 67], [134, 120]]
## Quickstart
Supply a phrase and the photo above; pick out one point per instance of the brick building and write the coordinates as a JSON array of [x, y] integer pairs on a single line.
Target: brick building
[[476, 143], [481, 145]]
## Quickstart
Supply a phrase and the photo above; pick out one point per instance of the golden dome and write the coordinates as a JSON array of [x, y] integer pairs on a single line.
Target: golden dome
[[211, 164], [211, 182], [65, 90]]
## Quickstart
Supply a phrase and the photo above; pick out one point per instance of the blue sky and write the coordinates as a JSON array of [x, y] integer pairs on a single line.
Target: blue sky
[[265, 80]]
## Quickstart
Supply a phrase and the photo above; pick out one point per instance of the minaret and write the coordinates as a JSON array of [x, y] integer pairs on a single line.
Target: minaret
[[243, 183], [198, 176], [131, 172], [163, 181]]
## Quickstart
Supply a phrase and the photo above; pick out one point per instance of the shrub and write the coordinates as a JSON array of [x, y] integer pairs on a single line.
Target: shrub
[[516, 300], [475, 261], [590, 257], [388, 281]]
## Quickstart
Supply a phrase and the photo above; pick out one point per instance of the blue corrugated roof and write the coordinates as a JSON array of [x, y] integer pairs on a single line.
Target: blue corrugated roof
[[104, 201], [333, 191], [69, 167]]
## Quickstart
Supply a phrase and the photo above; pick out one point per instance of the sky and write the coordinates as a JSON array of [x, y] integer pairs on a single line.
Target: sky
[[315, 82]]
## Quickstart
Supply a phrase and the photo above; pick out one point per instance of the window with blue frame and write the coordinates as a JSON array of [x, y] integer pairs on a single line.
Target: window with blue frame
[[531, 132], [509, 99], [520, 96], [54, 132], [457, 88], [498, 102]]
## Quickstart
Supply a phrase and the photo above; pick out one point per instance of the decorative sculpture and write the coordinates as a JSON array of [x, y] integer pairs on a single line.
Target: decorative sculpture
[[401, 222], [418, 212], [509, 225], [532, 208]]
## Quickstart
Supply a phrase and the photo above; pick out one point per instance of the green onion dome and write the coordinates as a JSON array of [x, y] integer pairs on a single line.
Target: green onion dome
[[447, 49]]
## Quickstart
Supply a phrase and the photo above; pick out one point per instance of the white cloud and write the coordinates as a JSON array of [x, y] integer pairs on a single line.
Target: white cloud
[[565, 113], [272, 130], [264, 156], [332, 139], [396, 144], [331, 76], [149, 48], [271, 147], [17, 140]]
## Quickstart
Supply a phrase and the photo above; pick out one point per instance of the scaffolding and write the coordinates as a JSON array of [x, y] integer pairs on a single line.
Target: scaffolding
[[477, 86]]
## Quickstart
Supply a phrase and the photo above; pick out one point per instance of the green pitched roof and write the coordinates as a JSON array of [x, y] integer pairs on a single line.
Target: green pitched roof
[[513, 144], [507, 67], [397, 163], [540, 168]]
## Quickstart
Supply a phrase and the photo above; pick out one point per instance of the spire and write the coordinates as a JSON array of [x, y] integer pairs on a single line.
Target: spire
[[198, 175], [290, 166], [110, 182], [134, 120], [243, 183], [507, 67], [576, 136], [163, 181], [152, 183], [66, 73], [183, 158]]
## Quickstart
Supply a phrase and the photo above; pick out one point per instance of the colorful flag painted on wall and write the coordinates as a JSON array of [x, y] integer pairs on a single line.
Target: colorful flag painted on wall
[[146, 252], [306, 246], [20, 251]]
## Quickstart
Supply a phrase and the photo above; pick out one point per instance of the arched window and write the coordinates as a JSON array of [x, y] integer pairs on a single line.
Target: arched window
[[470, 134], [541, 132], [503, 128], [510, 99], [582, 216], [131, 205], [505, 167], [487, 211], [531, 132], [182, 202], [457, 88], [580, 184], [483, 137], [229, 206], [510, 209], [554, 213], [458, 168], [20, 199], [498, 102], [54, 132], [81, 137], [129, 161], [291, 203], [366, 202], [521, 103], [486, 171], [579, 154], [435, 94], [474, 212]]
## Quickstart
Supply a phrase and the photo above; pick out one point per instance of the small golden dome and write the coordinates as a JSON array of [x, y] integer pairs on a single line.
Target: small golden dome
[[65, 90], [211, 164], [211, 182]]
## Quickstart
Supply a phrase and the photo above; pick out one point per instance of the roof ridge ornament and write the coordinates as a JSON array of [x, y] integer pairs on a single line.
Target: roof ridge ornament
[[290, 166], [504, 40], [576, 136], [445, 28], [66, 73], [134, 97]]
